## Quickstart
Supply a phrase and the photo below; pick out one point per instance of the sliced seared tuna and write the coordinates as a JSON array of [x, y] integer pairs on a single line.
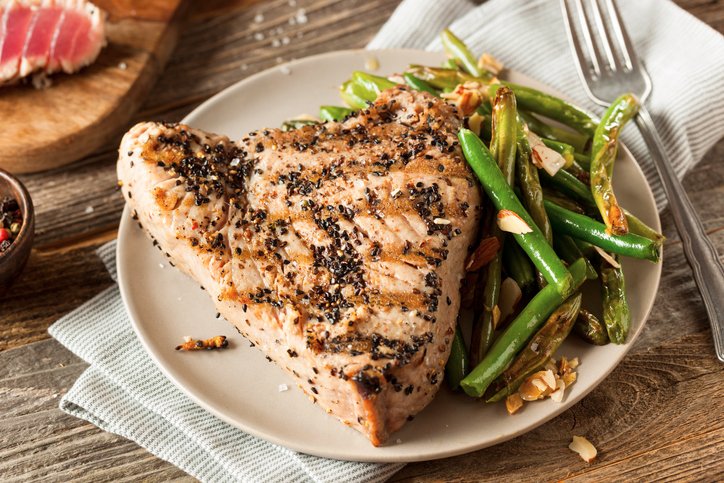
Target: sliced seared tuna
[[48, 36]]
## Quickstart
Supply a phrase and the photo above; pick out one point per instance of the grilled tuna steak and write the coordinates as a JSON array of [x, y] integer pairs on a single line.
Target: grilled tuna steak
[[337, 249]]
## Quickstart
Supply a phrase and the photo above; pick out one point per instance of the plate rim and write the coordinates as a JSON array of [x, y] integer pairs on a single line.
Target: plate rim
[[123, 280]]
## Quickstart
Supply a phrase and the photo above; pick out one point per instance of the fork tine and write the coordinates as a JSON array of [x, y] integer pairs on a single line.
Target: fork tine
[[585, 63], [604, 34], [585, 26], [624, 42]]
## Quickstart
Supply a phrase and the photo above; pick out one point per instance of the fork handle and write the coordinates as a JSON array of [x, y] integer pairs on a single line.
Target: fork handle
[[702, 256]]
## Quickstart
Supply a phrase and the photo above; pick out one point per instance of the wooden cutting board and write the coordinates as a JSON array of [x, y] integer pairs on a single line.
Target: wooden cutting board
[[77, 114]]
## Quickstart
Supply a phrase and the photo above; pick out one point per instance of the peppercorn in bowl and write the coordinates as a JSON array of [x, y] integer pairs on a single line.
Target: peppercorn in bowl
[[17, 228]]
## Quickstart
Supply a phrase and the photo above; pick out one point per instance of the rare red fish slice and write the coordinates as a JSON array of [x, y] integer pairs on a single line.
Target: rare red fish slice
[[48, 36], [337, 249]]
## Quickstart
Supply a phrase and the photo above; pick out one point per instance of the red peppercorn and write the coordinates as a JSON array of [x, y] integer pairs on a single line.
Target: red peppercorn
[[4, 234]]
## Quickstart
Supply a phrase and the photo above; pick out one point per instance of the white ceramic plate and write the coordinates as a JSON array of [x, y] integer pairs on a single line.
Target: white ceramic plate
[[165, 305]]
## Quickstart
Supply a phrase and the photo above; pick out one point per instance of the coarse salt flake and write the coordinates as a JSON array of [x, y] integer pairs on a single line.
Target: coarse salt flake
[[89, 210], [123, 66], [259, 18], [283, 387]]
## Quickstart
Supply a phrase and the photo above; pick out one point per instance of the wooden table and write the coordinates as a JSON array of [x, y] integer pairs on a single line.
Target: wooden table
[[659, 415]]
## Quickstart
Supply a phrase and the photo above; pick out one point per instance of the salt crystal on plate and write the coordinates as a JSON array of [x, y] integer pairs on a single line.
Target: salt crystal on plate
[[276, 43], [258, 36], [161, 265], [301, 16], [259, 18], [285, 70], [89, 209], [285, 40], [283, 387], [123, 66]]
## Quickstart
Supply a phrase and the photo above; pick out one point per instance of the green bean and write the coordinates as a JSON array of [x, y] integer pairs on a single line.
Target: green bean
[[441, 78], [419, 84], [638, 227], [562, 200], [577, 170], [494, 183], [484, 321], [592, 231], [539, 350], [569, 252], [565, 150], [450, 64], [292, 124], [572, 186], [334, 113], [552, 107], [590, 329], [503, 150], [371, 85], [352, 95], [457, 364], [504, 132], [457, 49], [568, 184], [583, 159], [603, 156], [616, 314], [577, 140], [529, 184], [518, 267], [515, 336]]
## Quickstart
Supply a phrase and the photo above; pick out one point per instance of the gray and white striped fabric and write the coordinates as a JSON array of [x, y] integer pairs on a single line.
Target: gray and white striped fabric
[[684, 56], [125, 393]]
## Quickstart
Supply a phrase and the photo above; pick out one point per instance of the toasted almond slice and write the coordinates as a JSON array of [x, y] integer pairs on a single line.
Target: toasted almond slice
[[540, 385], [606, 256], [490, 63], [549, 379], [543, 156], [496, 316], [483, 254], [510, 296], [584, 448], [573, 363], [557, 395], [511, 222], [569, 378], [513, 403], [475, 123]]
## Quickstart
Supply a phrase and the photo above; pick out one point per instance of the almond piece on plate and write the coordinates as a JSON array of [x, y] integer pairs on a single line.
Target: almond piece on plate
[[511, 222], [584, 448], [513, 403]]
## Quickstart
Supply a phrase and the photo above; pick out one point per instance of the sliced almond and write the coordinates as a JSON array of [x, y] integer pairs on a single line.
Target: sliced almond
[[569, 378], [467, 97], [490, 63], [475, 123], [557, 395], [573, 363], [496, 316], [510, 296], [549, 379], [540, 385], [606, 256], [584, 448], [511, 222], [513, 403], [483, 254], [543, 156]]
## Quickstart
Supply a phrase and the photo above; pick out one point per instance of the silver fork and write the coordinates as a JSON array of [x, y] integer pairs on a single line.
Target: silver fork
[[608, 66]]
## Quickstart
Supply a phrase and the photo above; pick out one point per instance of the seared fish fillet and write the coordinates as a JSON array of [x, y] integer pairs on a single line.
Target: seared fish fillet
[[337, 249]]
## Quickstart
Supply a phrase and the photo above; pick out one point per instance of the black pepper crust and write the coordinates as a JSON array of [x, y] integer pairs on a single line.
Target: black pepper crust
[[331, 286]]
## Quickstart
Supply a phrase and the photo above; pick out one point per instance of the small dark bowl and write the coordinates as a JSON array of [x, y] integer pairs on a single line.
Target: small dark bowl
[[14, 258]]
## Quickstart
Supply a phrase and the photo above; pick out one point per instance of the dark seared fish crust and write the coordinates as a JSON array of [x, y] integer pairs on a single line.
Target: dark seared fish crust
[[337, 249]]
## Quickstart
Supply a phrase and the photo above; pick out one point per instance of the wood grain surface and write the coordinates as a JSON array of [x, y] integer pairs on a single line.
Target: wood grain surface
[[659, 416], [48, 128]]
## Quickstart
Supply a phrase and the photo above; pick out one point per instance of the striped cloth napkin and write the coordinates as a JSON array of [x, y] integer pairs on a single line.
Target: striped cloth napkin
[[125, 393]]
